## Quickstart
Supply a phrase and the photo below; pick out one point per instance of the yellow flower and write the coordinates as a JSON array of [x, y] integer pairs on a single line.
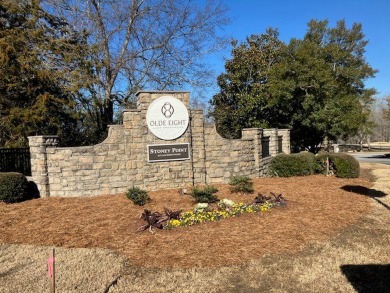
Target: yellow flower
[[175, 223]]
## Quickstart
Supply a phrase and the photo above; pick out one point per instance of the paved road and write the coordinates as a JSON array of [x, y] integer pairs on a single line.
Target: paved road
[[372, 157]]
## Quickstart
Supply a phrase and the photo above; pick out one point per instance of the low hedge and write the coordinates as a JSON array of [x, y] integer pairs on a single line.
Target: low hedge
[[343, 165], [299, 164], [13, 187], [305, 163]]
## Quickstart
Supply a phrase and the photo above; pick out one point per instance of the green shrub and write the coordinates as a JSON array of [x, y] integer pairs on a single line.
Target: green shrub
[[13, 187], [204, 194], [343, 165], [300, 164], [241, 184], [138, 196]]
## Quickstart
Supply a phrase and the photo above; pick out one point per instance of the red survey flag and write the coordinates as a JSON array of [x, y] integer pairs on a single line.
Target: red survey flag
[[50, 266]]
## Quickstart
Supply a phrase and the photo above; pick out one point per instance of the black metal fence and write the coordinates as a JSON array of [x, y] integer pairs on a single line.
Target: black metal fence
[[15, 160]]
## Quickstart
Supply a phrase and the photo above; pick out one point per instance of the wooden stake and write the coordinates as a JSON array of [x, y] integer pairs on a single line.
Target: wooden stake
[[327, 166], [51, 271]]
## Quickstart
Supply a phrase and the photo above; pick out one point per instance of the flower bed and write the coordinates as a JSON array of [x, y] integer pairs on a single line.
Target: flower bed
[[203, 213], [196, 217]]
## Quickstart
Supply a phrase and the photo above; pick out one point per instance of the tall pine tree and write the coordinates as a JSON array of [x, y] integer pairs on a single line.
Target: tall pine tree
[[40, 58]]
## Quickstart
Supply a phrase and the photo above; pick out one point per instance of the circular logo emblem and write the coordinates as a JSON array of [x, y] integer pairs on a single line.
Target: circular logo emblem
[[167, 110], [167, 118]]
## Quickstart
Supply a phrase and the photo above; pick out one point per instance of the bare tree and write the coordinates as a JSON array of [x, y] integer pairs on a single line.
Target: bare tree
[[143, 44], [380, 120]]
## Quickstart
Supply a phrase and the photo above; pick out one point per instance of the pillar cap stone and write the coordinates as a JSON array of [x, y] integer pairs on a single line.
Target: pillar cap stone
[[159, 92], [145, 98]]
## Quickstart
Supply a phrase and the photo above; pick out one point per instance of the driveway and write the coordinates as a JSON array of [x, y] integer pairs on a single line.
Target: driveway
[[372, 157]]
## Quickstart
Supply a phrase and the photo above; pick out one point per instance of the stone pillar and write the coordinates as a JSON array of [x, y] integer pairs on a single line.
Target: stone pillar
[[285, 133], [166, 174], [39, 171], [256, 135], [198, 155], [273, 140]]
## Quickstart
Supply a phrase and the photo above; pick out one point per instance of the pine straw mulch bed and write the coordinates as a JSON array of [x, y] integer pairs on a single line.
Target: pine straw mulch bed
[[318, 208]]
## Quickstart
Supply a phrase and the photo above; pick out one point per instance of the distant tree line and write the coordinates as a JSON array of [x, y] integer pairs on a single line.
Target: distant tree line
[[381, 119], [377, 128]]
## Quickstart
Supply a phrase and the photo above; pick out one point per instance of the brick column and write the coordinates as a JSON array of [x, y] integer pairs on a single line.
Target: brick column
[[39, 172]]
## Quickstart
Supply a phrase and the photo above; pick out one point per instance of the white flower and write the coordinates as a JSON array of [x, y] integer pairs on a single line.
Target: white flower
[[226, 203], [201, 206]]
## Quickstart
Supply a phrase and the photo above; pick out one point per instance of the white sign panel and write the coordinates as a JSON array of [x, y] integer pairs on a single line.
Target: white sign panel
[[167, 118]]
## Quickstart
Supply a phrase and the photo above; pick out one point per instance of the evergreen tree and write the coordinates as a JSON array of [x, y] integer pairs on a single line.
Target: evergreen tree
[[245, 99], [39, 58], [322, 79], [316, 88]]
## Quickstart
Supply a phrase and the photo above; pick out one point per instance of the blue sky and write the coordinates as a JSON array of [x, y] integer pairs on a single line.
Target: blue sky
[[291, 18]]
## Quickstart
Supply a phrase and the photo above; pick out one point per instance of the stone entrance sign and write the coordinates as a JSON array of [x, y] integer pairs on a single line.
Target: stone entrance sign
[[195, 153]]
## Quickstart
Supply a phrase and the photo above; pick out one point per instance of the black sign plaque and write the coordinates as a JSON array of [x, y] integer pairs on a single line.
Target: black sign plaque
[[168, 152]]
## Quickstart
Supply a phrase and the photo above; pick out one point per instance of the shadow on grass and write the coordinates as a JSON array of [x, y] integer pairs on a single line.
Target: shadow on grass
[[363, 190], [369, 192], [368, 278]]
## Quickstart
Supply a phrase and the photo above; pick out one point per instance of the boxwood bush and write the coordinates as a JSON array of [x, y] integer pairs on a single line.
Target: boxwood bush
[[343, 165], [299, 164], [13, 187]]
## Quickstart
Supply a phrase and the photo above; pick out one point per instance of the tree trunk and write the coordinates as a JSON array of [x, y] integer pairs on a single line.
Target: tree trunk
[[108, 114]]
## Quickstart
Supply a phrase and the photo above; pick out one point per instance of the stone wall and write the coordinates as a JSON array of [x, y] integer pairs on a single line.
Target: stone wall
[[121, 162], [228, 157]]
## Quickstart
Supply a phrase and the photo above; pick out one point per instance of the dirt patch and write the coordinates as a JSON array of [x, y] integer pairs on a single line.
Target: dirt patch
[[318, 208]]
